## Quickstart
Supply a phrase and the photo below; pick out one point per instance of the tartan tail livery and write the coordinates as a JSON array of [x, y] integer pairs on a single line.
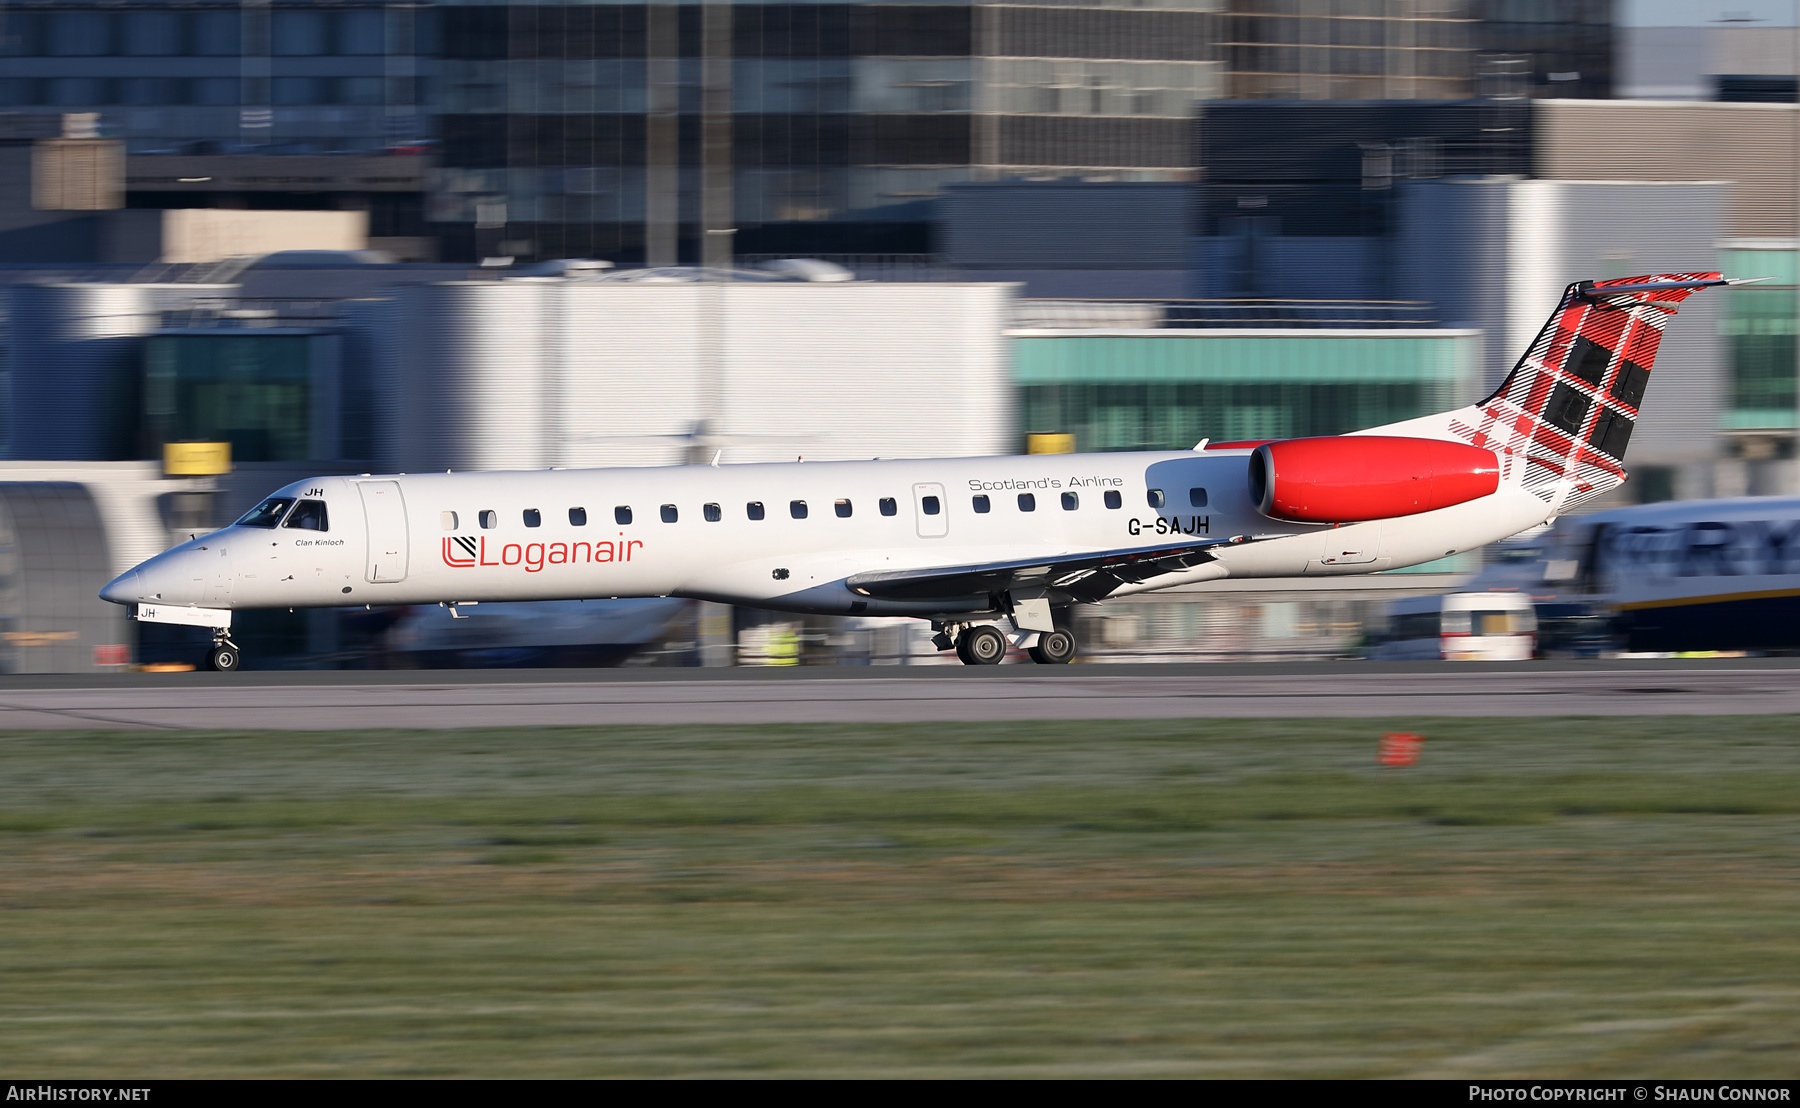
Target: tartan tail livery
[[1563, 417]]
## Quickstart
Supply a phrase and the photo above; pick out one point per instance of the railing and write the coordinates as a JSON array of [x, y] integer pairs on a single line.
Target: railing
[[1056, 314], [251, 313], [873, 267]]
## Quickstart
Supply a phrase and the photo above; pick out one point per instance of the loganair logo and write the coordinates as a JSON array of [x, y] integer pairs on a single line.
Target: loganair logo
[[466, 552]]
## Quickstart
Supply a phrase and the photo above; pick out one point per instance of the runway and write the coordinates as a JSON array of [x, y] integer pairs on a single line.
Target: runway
[[445, 699]]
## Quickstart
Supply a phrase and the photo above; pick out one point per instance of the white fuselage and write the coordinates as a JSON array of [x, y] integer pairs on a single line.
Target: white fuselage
[[465, 537]]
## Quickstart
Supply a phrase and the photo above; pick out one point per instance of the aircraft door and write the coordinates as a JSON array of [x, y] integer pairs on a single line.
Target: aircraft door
[[384, 510], [932, 509]]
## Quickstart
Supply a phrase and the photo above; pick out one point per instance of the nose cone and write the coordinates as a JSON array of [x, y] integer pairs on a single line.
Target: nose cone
[[126, 588]]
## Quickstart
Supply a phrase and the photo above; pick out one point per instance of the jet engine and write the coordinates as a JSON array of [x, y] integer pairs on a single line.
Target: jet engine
[[1353, 478]]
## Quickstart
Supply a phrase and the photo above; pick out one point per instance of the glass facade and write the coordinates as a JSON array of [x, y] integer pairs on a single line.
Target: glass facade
[[846, 118], [212, 78], [1758, 324], [1167, 392], [253, 391], [1427, 50]]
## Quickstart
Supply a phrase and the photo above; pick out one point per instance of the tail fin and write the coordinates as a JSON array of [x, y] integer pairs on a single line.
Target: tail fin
[[1568, 408]]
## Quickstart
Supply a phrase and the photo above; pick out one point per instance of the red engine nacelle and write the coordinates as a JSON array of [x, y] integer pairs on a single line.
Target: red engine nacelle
[[1354, 478]]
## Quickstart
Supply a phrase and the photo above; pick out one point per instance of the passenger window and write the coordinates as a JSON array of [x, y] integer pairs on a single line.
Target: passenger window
[[268, 513], [1071, 501], [1113, 499], [448, 519], [669, 514], [843, 509], [622, 515], [308, 515], [488, 518], [797, 509], [982, 505], [1027, 502], [1156, 498], [930, 505], [577, 517], [533, 518], [711, 512], [889, 507], [754, 509], [1197, 498]]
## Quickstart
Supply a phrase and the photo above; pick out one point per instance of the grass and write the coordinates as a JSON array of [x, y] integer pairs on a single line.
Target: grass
[[1579, 897]]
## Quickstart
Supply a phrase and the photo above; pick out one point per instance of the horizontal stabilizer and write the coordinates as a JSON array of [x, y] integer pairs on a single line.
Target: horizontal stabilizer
[[1087, 577]]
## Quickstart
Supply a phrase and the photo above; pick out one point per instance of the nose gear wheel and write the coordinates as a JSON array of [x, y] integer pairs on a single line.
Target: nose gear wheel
[[223, 656]]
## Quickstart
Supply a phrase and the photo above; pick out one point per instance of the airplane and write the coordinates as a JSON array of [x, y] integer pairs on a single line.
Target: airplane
[[993, 551], [1679, 575]]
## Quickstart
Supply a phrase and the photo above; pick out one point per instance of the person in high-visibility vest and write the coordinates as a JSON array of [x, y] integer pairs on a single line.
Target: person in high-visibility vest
[[784, 647]]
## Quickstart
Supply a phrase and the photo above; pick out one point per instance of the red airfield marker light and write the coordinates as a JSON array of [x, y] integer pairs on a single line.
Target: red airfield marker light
[[1399, 748]]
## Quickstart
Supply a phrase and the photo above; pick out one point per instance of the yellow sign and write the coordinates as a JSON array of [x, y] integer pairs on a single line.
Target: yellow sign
[[196, 459], [1049, 444]]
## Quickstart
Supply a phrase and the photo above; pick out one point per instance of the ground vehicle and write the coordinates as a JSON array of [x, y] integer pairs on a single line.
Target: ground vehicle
[[1460, 627]]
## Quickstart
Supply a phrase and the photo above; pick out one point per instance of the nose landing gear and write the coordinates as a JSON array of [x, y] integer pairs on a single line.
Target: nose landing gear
[[223, 657]]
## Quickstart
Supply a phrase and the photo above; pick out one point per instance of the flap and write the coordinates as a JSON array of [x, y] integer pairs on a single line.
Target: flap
[[1088, 576]]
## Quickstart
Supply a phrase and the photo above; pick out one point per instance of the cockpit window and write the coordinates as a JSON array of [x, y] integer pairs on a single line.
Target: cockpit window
[[268, 513], [308, 515]]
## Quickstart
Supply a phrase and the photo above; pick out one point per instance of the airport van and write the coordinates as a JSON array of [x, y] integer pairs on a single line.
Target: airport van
[[1460, 627]]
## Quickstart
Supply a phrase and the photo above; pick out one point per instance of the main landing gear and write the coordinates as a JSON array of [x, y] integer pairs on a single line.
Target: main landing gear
[[1054, 648], [983, 644], [223, 657]]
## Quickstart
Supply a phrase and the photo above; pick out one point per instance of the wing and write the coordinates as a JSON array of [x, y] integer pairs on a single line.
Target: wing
[[1089, 576]]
